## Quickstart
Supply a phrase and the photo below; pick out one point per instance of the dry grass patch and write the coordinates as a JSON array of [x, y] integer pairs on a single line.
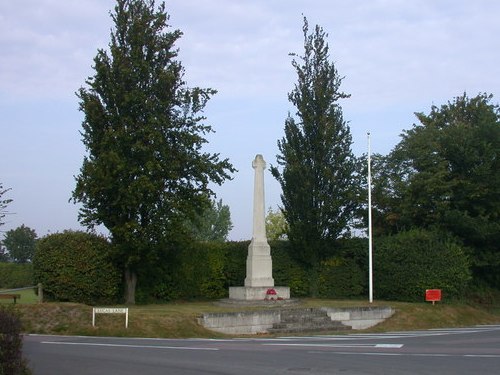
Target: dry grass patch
[[417, 316], [179, 320]]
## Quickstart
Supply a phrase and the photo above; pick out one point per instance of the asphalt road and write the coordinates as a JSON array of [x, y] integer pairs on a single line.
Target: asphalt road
[[474, 350]]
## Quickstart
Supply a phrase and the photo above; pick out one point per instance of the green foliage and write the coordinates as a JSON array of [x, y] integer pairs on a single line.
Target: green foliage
[[202, 270], [318, 173], [236, 256], [340, 277], [11, 344], [20, 243], [75, 267], [13, 275], [3, 203], [445, 173], [287, 271], [213, 224], [276, 225], [145, 173], [206, 270], [408, 263], [481, 293]]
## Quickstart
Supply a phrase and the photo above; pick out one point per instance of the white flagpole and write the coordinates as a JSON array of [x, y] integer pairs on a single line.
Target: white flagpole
[[370, 249]]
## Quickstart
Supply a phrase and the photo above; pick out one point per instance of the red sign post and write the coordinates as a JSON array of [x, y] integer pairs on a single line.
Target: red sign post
[[433, 295]]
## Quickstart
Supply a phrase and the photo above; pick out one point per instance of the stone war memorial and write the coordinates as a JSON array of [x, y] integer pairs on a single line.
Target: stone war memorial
[[259, 282]]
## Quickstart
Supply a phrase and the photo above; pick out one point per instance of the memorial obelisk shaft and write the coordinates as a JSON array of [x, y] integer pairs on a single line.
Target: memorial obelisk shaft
[[259, 279], [259, 262]]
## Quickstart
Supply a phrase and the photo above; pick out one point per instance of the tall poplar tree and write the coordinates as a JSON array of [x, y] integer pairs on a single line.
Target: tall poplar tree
[[145, 173], [318, 169]]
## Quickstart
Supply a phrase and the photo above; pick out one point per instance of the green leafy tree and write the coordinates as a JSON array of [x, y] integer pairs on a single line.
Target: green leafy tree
[[213, 224], [388, 180], [20, 243], [276, 225], [445, 172], [145, 173], [318, 169], [3, 203]]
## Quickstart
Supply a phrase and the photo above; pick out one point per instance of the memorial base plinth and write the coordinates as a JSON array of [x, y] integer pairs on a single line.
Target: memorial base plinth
[[258, 293]]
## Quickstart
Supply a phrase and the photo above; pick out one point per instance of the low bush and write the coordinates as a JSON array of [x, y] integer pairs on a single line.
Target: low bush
[[206, 270], [340, 277], [11, 343], [74, 266], [201, 270], [408, 263], [15, 275], [287, 272]]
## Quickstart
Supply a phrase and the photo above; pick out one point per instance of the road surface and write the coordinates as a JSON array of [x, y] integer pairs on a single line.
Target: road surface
[[474, 350]]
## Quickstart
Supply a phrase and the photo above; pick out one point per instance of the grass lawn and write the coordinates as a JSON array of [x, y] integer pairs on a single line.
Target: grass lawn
[[28, 296], [179, 320]]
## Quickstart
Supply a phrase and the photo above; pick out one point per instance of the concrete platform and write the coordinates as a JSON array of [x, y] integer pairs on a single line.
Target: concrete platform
[[258, 303], [295, 319], [257, 293]]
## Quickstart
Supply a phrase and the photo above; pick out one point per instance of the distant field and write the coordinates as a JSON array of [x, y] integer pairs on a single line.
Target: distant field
[[28, 296]]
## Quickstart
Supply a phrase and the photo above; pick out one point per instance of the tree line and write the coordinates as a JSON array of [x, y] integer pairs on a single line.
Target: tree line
[[146, 178]]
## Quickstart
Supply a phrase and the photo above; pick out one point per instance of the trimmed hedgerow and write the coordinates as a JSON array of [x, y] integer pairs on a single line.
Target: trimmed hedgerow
[[206, 270], [74, 266], [408, 263], [16, 275], [286, 271], [202, 270], [340, 277]]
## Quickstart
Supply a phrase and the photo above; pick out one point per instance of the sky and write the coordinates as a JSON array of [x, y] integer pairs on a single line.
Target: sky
[[397, 57]]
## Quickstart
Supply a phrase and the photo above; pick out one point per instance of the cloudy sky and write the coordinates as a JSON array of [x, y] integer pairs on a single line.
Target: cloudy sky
[[398, 57]]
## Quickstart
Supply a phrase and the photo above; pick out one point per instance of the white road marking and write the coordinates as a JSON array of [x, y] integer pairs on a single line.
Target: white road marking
[[382, 354], [389, 346], [395, 335], [126, 346], [385, 346]]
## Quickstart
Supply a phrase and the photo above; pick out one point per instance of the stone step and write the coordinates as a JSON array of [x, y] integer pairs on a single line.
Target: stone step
[[297, 327], [292, 313], [306, 320], [330, 324]]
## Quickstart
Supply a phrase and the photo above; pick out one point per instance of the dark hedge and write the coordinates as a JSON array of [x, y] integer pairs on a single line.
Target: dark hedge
[[408, 263], [16, 275], [74, 266]]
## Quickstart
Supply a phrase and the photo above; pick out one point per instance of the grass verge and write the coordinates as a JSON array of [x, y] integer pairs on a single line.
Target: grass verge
[[179, 320]]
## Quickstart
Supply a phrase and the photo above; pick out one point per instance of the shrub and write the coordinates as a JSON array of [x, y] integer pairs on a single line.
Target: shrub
[[340, 278], [201, 270], [235, 265], [74, 266], [196, 270], [207, 270], [11, 343], [14, 275], [286, 271], [408, 263]]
